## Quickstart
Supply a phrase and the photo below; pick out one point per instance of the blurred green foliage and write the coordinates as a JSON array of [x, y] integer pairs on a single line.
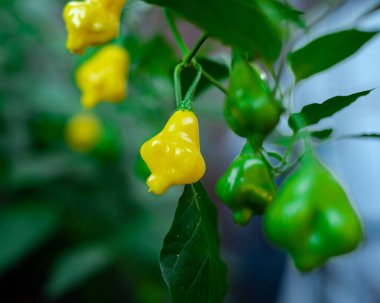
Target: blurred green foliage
[[81, 227]]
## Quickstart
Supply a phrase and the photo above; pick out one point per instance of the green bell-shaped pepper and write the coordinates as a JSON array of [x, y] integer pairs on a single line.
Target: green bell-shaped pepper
[[312, 217], [251, 110], [247, 187]]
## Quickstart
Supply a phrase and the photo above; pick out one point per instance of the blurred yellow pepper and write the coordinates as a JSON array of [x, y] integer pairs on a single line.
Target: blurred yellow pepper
[[91, 22], [83, 132], [173, 156], [104, 76]]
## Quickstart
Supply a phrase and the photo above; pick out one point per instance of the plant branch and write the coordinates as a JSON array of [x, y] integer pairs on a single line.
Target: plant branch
[[177, 36], [188, 56], [191, 54], [215, 82]]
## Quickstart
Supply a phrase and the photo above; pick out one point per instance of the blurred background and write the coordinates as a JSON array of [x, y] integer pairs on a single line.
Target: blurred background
[[81, 227]]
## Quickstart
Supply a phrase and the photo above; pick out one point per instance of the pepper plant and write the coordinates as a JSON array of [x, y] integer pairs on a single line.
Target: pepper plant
[[309, 215]]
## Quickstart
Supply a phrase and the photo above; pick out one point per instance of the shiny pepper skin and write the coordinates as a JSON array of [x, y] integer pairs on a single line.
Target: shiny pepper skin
[[104, 76], [250, 109], [312, 217], [91, 22], [173, 156], [83, 132], [247, 187]]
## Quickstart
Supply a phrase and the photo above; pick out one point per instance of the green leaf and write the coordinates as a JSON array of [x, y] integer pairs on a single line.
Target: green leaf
[[364, 136], [190, 258], [282, 140], [282, 12], [22, 229], [239, 23], [77, 266], [327, 51], [274, 155], [313, 113], [322, 134]]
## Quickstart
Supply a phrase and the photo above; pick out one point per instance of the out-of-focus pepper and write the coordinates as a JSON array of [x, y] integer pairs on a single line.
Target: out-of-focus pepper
[[250, 109], [91, 22], [312, 217], [247, 187], [104, 76], [173, 156], [83, 132]]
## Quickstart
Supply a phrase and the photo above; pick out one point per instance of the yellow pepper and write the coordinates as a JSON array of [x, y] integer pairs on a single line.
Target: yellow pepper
[[91, 22], [83, 132], [173, 156], [104, 76]]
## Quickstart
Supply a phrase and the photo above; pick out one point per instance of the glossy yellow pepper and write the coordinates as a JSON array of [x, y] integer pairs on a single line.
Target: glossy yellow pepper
[[91, 22], [173, 156], [104, 76], [83, 132]]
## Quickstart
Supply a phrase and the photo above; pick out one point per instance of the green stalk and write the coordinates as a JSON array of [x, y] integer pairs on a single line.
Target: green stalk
[[191, 54], [215, 82], [177, 36], [177, 84], [188, 57]]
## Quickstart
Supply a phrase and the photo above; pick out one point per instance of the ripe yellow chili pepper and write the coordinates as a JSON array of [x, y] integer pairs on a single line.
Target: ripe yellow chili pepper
[[173, 156], [104, 76], [91, 22], [83, 132]]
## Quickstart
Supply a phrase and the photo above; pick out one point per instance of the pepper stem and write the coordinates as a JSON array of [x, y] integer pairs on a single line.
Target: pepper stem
[[177, 84], [187, 102]]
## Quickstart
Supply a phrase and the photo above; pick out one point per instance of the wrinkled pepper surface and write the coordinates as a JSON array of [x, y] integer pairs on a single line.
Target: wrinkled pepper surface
[[250, 109], [312, 217], [247, 187], [173, 156], [91, 22], [83, 132], [103, 77]]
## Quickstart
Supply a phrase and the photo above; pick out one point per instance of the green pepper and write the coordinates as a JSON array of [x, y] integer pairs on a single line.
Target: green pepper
[[312, 217], [247, 187], [251, 110]]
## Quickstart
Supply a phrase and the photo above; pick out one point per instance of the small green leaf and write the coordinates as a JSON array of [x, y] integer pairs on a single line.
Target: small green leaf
[[22, 229], [190, 258], [75, 267], [275, 156], [313, 113], [242, 24], [327, 51], [322, 134]]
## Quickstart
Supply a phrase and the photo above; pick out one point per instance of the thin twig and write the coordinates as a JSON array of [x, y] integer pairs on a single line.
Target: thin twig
[[177, 36], [215, 82], [191, 54], [188, 56]]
